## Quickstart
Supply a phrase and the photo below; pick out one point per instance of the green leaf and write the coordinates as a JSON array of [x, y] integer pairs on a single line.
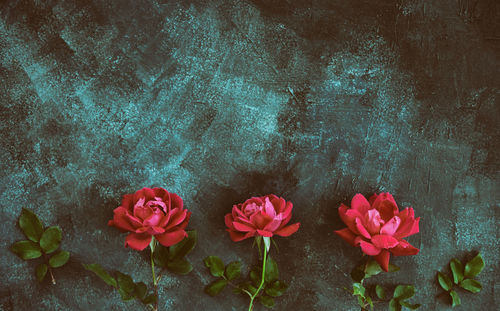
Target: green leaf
[[249, 287], [59, 259], [258, 242], [474, 266], [403, 292], [30, 225], [457, 269], [372, 268], [215, 265], [455, 300], [361, 301], [151, 299], [141, 290], [215, 287], [255, 276], [51, 239], [41, 271], [369, 301], [180, 266], [393, 268], [394, 305], [126, 286], [233, 270], [276, 289], [271, 273], [100, 272], [472, 286], [358, 274], [409, 305], [181, 249], [358, 289], [26, 249], [380, 292], [444, 281], [161, 256], [266, 301]]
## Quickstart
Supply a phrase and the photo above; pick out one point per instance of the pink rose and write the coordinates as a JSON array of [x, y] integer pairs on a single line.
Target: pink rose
[[151, 212], [262, 216], [378, 227]]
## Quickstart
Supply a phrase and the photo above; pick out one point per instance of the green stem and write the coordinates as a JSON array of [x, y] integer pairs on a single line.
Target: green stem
[[155, 283], [250, 307], [153, 267]]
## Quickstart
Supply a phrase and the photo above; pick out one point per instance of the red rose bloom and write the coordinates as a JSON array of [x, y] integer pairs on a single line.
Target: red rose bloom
[[262, 216], [151, 212], [378, 227]]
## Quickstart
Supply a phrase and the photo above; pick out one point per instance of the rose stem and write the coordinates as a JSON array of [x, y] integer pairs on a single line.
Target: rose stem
[[52, 276], [152, 247], [50, 269], [250, 307]]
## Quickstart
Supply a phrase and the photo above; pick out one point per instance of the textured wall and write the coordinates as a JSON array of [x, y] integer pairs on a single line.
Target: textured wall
[[218, 102]]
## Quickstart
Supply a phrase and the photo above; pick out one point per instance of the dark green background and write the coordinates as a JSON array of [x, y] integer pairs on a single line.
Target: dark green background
[[222, 100]]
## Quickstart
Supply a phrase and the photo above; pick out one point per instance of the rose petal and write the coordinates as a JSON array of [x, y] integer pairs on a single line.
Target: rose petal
[[369, 249], [274, 224], [264, 233], [135, 222], [142, 212], [361, 228], [149, 193], [137, 241], [242, 227], [238, 236], [348, 218], [184, 223], [154, 219], [347, 235], [260, 220], [372, 199], [286, 213], [391, 226], [139, 202], [176, 201], [228, 220], [269, 208], [372, 221], [171, 238], [409, 226], [360, 204], [237, 211], [127, 202], [165, 219], [120, 220], [384, 241], [288, 230], [177, 216], [160, 192], [141, 229], [383, 259], [404, 249], [155, 230], [386, 206]]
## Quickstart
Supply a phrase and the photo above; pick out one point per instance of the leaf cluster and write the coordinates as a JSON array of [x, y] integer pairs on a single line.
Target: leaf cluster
[[125, 285], [463, 276], [173, 258], [399, 298], [40, 242], [227, 274]]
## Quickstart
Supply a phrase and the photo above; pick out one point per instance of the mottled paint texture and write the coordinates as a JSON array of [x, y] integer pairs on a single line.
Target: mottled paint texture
[[219, 101]]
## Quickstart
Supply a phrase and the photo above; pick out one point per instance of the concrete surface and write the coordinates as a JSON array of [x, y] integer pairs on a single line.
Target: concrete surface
[[222, 100]]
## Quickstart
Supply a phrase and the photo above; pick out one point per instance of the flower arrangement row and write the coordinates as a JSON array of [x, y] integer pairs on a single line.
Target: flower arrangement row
[[157, 219]]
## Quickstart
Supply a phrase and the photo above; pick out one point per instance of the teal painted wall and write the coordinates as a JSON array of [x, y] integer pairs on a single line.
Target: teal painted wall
[[220, 101]]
